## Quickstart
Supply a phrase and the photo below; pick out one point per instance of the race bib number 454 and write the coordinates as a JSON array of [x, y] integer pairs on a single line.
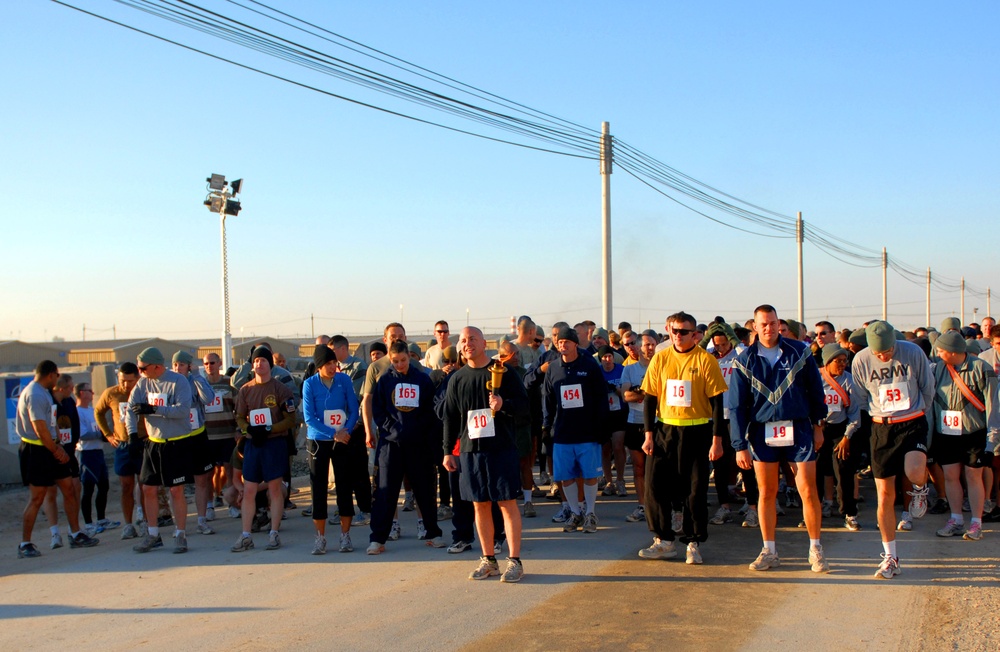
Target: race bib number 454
[[572, 396]]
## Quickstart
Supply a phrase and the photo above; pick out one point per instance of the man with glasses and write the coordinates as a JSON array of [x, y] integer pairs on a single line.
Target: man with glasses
[[683, 421], [777, 406], [163, 397], [202, 464], [434, 359], [128, 457], [221, 429]]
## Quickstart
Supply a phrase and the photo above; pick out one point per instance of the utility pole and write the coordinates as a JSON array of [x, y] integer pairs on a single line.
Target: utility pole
[[84, 332], [222, 200], [606, 158], [963, 301], [989, 313], [885, 295], [928, 316], [312, 325], [798, 240]]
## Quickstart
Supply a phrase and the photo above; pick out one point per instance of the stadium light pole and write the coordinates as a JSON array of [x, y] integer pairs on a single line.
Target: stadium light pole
[[221, 200]]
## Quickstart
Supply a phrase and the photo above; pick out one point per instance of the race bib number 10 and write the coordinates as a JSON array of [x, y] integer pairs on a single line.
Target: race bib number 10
[[779, 433], [480, 424], [406, 395], [572, 396], [261, 417]]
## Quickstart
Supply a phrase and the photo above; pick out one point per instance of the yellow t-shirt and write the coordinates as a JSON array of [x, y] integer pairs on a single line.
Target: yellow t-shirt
[[683, 383]]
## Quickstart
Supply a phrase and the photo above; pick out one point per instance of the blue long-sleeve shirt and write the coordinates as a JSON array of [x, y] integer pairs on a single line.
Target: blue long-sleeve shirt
[[582, 417], [318, 401]]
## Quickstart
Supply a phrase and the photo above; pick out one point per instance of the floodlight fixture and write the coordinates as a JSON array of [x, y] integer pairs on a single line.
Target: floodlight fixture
[[232, 207], [216, 182], [236, 186]]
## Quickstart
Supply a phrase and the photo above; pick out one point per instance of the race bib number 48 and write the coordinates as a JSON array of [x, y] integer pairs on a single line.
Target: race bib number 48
[[480, 424], [406, 395], [779, 433], [572, 396], [894, 397]]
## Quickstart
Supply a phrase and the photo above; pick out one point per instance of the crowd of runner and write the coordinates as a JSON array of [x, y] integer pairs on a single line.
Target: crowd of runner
[[774, 415]]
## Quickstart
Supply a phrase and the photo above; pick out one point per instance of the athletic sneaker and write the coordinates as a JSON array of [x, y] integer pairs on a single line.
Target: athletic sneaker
[[148, 543], [817, 560], [693, 555], [677, 522], [563, 515], [778, 509], [851, 523], [609, 488], [529, 510], [421, 530], [445, 513], [918, 501], [498, 547], [204, 529], [638, 514], [543, 478], [210, 514], [751, 519], [620, 486], [765, 560], [242, 544], [28, 550], [395, 531], [988, 506], [513, 573], [408, 504], [92, 529], [950, 529], [437, 542], [802, 525], [260, 521], [659, 550], [83, 540], [345, 542], [485, 569], [966, 507], [827, 509], [234, 512], [940, 506], [974, 533], [218, 502], [459, 546], [273, 541], [307, 511], [375, 548], [107, 524], [590, 523], [553, 492], [180, 543], [128, 532], [57, 541], [888, 567], [536, 492], [573, 523], [361, 518], [319, 545], [724, 515], [905, 523], [792, 498]]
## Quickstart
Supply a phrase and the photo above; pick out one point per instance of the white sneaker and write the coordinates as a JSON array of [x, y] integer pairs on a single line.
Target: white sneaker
[[951, 528], [765, 560], [659, 550], [57, 541], [905, 523], [394, 532], [638, 514], [210, 514], [751, 520], [817, 560], [724, 515], [918, 500], [888, 568], [234, 512], [693, 554]]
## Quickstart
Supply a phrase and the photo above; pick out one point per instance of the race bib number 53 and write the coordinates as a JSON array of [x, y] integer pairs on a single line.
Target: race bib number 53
[[894, 397]]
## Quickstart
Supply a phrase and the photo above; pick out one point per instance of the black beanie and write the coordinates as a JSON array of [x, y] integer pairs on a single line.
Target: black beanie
[[323, 354], [568, 333], [262, 352]]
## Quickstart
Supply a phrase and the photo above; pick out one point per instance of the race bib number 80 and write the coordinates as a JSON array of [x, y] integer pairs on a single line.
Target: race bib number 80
[[261, 417]]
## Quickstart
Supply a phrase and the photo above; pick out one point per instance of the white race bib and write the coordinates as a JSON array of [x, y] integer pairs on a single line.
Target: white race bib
[[480, 424], [951, 422], [54, 419], [779, 433], [572, 396], [194, 419], [894, 397], [157, 400], [122, 408], [335, 419], [261, 417], [216, 405], [833, 402], [614, 402], [727, 370], [406, 395], [65, 435], [679, 393]]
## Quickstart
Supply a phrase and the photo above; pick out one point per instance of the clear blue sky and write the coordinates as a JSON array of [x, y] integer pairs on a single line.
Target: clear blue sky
[[877, 121]]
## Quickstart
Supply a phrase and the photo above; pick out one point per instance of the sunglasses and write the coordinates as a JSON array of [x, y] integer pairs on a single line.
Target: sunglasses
[[538, 340], [143, 369], [629, 343], [442, 332], [683, 332], [822, 333]]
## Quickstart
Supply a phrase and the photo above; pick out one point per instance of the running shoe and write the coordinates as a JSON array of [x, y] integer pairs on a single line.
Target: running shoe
[[988, 506], [180, 543], [609, 489], [792, 498], [204, 529], [234, 512], [513, 573], [620, 486], [851, 523], [107, 524], [498, 546], [590, 523], [966, 507], [128, 532], [209, 513], [485, 569], [905, 523], [827, 509], [817, 560], [57, 541], [765, 560], [918, 501], [543, 478], [724, 515], [83, 540], [459, 546], [436, 542], [659, 550], [693, 555], [273, 541], [888, 567], [529, 510], [362, 518], [444, 513], [242, 544], [421, 530], [553, 492], [573, 523], [307, 511], [375, 548], [345, 542], [395, 531], [563, 515], [218, 502], [28, 550], [974, 533], [751, 520], [940, 506], [638, 514], [677, 522], [319, 545], [92, 529], [148, 543], [950, 529], [408, 504], [778, 509]]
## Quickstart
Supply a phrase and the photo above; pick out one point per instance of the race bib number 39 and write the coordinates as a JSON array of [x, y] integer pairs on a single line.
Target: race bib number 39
[[335, 419], [951, 422], [480, 424], [261, 417], [779, 433], [894, 397], [572, 396], [406, 395], [679, 393], [833, 402]]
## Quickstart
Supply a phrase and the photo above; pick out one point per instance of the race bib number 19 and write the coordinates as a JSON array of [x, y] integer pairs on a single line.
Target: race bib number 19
[[572, 396], [779, 433], [480, 424]]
